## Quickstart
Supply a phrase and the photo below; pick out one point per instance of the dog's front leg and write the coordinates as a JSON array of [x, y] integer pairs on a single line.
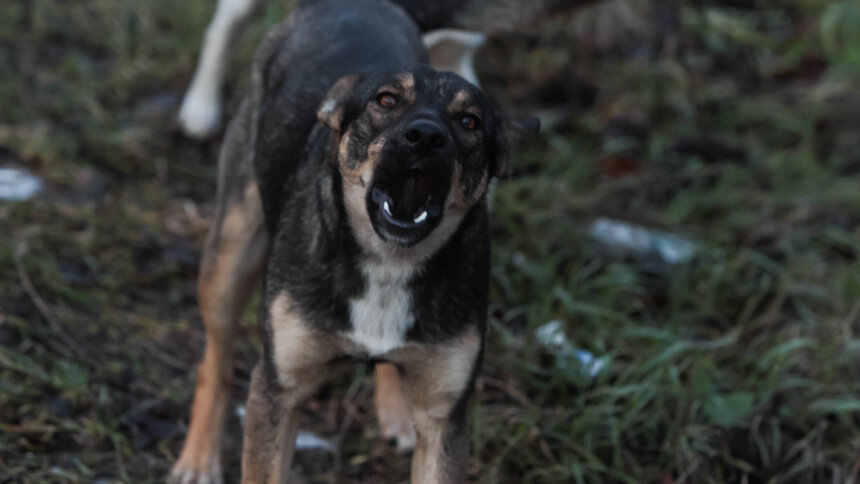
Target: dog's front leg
[[271, 425], [292, 367], [438, 382]]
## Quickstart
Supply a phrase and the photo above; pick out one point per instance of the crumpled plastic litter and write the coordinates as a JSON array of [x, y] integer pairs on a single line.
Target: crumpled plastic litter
[[18, 185], [645, 244], [552, 337]]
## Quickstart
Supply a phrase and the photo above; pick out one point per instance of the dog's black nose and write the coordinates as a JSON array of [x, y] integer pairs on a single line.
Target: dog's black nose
[[425, 137]]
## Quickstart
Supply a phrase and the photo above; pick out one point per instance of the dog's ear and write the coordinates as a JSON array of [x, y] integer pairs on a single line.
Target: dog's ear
[[508, 132], [331, 111]]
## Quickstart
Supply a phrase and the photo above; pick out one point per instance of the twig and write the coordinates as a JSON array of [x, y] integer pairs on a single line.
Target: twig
[[164, 357], [358, 391], [70, 349], [508, 389], [547, 452]]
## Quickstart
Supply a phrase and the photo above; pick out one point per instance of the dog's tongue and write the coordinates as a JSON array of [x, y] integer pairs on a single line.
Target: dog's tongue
[[410, 196]]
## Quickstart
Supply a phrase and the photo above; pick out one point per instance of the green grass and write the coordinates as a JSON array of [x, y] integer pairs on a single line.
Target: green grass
[[738, 366]]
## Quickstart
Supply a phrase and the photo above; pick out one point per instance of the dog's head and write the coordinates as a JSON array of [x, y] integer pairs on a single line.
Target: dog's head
[[416, 150]]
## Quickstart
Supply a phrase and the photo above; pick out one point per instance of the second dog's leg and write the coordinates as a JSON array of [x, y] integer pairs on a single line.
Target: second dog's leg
[[229, 273], [200, 113], [454, 50]]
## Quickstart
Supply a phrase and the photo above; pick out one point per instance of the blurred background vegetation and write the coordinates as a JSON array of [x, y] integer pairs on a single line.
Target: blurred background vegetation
[[732, 127]]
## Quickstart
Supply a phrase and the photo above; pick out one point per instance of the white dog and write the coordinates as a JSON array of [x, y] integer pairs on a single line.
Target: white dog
[[200, 115]]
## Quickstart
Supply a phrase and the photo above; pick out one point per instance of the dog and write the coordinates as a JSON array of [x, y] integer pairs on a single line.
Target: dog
[[352, 182], [459, 28]]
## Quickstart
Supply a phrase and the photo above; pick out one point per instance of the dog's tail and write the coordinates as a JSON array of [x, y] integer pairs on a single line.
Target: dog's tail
[[485, 16]]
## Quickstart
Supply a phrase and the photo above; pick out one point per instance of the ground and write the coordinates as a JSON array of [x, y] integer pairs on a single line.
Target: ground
[[732, 124]]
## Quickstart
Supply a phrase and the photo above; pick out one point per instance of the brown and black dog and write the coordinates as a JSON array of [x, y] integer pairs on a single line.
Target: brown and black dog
[[352, 181]]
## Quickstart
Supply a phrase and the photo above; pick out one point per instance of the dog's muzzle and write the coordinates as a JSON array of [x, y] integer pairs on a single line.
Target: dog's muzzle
[[408, 204], [411, 183]]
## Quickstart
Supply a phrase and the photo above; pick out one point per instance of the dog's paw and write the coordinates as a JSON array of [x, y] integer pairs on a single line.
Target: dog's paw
[[186, 473], [398, 426], [199, 116]]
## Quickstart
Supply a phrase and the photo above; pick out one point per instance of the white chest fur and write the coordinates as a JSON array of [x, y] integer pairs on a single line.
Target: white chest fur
[[382, 315]]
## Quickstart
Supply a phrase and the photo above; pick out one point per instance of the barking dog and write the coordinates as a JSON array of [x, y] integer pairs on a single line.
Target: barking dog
[[352, 181]]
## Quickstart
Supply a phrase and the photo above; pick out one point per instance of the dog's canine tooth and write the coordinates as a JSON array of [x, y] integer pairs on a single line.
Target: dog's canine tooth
[[421, 217], [387, 208]]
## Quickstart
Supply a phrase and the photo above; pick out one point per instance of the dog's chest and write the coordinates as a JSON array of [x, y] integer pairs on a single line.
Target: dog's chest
[[382, 315]]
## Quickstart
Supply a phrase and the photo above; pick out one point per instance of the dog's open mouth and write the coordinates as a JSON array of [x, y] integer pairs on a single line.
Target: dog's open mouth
[[408, 203]]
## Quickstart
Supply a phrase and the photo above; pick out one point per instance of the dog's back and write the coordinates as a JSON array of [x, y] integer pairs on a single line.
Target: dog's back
[[325, 40]]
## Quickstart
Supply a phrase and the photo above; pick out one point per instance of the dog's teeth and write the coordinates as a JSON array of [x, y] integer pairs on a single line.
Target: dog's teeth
[[387, 208], [421, 217]]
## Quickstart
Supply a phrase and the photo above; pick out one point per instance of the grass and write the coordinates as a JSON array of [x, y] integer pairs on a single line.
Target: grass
[[737, 129]]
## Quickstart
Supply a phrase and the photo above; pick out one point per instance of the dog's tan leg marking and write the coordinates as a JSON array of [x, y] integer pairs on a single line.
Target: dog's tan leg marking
[[392, 409], [279, 385], [435, 380], [230, 268], [200, 113]]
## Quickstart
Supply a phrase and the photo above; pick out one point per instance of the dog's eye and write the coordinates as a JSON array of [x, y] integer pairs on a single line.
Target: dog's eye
[[386, 100], [469, 122]]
